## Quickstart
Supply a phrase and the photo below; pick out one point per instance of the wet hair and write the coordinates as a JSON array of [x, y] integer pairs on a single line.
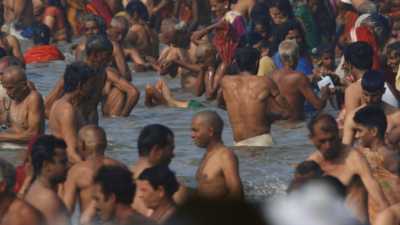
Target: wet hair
[[153, 135], [101, 24], [7, 174], [76, 73], [40, 34], [117, 181], [372, 81], [213, 120], [98, 43], [394, 47], [372, 117], [359, 54], [12, 61], [43, 150], [284, 7], [246, 59], [137, 6], [198, 211], [327, 124], [288, 51], [162, 176]]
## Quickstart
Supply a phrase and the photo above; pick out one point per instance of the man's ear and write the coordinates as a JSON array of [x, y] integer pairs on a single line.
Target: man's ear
[[374, 131]]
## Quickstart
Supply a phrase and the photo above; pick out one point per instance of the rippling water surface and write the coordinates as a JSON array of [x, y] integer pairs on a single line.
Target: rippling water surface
[[264, 172]]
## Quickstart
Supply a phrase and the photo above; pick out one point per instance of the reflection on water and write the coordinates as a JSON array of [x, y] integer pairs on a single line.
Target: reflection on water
[[264, 171]]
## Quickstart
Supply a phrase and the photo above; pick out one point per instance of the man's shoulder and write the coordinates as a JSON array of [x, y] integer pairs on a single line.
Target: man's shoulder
[[35, 96], [22, 210]]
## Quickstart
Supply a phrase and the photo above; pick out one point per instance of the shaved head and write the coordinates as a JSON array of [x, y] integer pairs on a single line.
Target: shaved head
[[212, 120], [93, 139], [14, 74]]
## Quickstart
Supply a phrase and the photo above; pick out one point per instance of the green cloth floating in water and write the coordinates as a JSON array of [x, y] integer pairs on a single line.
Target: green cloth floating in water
[[195, 105]]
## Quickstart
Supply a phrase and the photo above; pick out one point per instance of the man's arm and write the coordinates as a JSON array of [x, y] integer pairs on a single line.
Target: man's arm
[[132, 93], [35, 122], [351, 101], [120, 62], [55, 94], [230, 168], [69, 132], [310, 96], [348, 129], [362, 169], [71, 189], [390, 216]]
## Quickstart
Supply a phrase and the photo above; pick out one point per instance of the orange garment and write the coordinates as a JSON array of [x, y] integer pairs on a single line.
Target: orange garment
[[42, 53], [351, 18], [185, 12], [100, 8]]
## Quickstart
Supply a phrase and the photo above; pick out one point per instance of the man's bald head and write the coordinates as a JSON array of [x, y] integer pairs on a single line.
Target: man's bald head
[[93, 139], [14, 74], [211, 119], [323, 122]]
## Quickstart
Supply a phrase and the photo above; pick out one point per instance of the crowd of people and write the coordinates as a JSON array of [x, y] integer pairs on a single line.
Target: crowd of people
[[263, 61]]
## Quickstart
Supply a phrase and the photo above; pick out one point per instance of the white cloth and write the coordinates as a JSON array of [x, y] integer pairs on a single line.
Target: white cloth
[[264, 140], [389, 97]]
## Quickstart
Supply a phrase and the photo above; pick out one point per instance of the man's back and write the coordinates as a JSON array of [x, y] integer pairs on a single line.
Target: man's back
[[20, 212], [290, 84], [246, 101]]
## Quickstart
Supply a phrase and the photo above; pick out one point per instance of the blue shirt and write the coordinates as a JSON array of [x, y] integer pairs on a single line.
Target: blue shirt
[[303, 65]]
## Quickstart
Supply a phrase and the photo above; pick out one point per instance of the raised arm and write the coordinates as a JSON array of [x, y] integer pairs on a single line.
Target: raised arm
[[120, 62], [230, 168], [310, 96], [132, 93], [361, 168]]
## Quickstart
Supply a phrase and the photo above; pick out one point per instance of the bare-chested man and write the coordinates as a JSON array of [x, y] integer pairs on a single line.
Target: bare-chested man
[[247, 98], [371, 124], [390, 216], [373, 88], [65, 119], [14, 211], [218, 174], [121, 95], [18, 12], [113, 201], [49, 161], [24, 114], [156, 147], [79, 183], [346, 164], [157, 186], [295, 86]]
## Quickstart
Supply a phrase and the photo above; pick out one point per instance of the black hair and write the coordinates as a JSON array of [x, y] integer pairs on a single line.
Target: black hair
[[198, 211], [137, 6], [116, 180], [360, 55], [394, 47], [98, 43], [153, 135], [265, 44], [101, 24], [162, 176], [259, 13], [251, 38], [246, 59], [3, 53], [307, 167], [372, 117], [289, 26], [372, 81], [43, 149], [284, 7], [323, 49], [328, 124], [40, 34], [76, 73], [12, 61]]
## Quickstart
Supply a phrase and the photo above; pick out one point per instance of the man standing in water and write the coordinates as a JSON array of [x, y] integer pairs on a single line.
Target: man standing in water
[[99, 52], [92, 145], [218, 173], [49, 161], [14, 211], [25, 112], [346, 164], [65, 119], [246, 97], [295, 86]]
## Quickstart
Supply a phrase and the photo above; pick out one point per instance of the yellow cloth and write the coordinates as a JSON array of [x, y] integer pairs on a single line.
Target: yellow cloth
[[266, 66], [264, 140]]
